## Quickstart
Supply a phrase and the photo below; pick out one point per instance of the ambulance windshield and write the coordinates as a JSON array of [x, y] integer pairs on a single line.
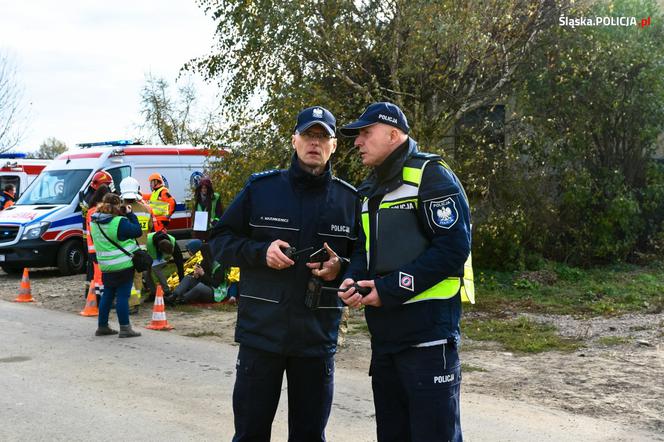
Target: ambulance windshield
[[55, 187]]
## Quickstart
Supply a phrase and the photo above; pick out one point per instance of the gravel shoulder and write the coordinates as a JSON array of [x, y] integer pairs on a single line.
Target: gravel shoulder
[[617, 375]]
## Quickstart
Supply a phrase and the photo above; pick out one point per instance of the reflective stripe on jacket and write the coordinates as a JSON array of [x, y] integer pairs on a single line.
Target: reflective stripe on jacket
[[162, 206], [88, 236], [402, 204], [110, 257]]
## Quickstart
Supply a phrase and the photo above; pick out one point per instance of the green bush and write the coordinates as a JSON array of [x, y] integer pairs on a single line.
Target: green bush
[[599, 220]]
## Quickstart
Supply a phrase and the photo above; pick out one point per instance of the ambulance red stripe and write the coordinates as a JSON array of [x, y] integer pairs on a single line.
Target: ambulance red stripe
[[30, 170], [163, 151], [74, 156]]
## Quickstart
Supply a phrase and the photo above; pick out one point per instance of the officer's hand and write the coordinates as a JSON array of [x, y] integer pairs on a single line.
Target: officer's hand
[[350, 297], [372, 298], [275, 258], [329, 269]]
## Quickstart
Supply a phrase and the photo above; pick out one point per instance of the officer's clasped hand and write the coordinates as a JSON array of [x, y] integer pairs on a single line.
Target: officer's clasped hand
[[354, 294], [364, 291], [275, 257]]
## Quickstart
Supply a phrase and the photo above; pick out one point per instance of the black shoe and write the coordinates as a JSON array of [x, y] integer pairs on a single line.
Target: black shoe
[[105, 331]]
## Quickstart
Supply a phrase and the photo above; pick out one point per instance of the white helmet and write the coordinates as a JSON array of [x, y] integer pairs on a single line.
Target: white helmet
[[130, 189]]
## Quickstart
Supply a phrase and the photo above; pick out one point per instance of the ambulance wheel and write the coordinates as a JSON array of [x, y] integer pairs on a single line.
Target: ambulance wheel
[[71, 258], [10, 270]]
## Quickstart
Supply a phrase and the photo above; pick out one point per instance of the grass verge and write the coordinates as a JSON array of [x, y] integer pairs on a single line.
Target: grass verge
[[610, 341], [559, 289], [520, 335]]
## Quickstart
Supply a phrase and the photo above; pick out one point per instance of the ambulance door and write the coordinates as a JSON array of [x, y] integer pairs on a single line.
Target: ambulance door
[[119, 173]]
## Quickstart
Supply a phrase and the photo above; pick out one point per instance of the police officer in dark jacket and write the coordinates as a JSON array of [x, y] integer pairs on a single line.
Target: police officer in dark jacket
[[416, 218], [301, 207]]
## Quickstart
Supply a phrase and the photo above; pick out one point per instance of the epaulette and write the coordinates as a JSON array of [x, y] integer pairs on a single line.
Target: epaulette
[[426, 156], [350, 186], [264, 174]]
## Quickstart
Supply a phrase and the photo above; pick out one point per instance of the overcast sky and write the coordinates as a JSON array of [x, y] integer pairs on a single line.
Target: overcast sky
[[82, 63]]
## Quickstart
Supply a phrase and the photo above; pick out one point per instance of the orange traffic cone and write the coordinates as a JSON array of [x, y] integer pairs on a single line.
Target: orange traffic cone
[[91, 308], [24, 293], [159, 321]]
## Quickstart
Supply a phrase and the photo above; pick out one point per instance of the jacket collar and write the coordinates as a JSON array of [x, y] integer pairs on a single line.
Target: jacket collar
[[388, 176], [303, 179]]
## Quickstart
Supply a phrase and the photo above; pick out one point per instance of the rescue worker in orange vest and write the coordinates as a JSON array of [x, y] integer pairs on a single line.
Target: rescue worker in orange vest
[[161, 201], [96, 198], [99, 178], [8, 196]]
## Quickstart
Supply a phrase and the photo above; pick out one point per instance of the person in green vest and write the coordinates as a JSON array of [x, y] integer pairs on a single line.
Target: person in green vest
[[163, 249], [208, 201], [206, 284], [114, 227]]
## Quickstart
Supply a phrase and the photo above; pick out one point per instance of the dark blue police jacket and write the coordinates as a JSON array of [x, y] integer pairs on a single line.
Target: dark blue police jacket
[[396, 326], [305, 211]]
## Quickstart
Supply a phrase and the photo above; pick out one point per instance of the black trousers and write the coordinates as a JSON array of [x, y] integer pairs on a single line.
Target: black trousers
[[416, 394], [258, 386]]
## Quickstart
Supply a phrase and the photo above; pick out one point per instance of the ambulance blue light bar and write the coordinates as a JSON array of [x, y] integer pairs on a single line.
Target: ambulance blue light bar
[[13, 155], [109, 143]]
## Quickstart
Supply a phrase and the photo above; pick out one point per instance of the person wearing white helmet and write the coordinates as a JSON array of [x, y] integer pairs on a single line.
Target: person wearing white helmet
[[130, 192]]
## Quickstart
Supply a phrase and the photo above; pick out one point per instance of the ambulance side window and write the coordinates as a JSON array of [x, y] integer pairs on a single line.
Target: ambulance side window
[[10, 179], [118, 174]]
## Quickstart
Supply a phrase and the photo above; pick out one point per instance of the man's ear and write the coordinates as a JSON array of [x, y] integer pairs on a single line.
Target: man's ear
[[394, 135], [293, 140], [334, 145]]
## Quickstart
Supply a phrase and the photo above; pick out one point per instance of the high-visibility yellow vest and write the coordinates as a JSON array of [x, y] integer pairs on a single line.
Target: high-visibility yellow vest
[[109, 256], [406, 195], [159, 207]]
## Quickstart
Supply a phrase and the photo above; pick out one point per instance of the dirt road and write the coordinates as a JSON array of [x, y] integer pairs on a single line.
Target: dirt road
[[620, 382]]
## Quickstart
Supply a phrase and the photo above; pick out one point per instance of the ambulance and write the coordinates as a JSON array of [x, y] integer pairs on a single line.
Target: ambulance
[[18, 170], [45, 226]]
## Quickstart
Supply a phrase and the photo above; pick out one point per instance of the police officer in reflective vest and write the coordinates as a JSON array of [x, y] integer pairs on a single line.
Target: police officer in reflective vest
[[416, 237], [161, 201], [301, 207]]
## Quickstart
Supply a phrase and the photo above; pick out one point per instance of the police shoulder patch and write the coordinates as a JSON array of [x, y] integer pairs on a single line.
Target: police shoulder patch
[[340, 181], [443, 212], [264, 174]]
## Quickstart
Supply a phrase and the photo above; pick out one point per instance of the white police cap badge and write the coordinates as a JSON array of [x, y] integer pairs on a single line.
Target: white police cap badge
[[317, 112]]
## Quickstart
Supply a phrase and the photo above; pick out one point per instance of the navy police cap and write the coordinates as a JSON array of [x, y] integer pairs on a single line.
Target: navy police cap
[[382, 112], [316, 115]]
